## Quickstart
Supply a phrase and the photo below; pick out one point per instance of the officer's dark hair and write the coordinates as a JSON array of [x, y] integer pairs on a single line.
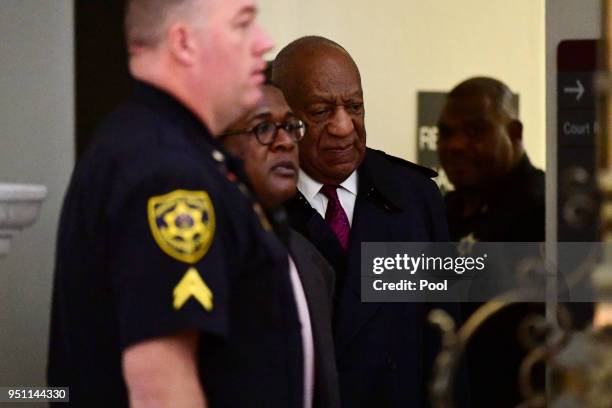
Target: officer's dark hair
[[283, 64], [498, 92], [146, 20]]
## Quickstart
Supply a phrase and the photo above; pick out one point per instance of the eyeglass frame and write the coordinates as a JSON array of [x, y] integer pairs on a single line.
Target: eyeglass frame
[[277, 127]]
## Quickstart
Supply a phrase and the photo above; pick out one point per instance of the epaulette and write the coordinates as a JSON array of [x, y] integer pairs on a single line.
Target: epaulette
[[402, 162]]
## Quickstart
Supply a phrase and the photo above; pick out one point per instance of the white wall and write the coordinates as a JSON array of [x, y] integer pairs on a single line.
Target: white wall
[[405, 46], [37, 143]]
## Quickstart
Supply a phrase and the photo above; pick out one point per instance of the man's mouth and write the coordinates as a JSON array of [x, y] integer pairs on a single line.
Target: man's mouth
[[258, 73], [339, 149], [458, 169], [285, 168], [339, 154], [258, 77]]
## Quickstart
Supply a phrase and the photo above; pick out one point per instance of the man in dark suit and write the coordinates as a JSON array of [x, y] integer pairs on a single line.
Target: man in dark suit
[[498, 197], [349, 194], [266, 139], [499, 194]]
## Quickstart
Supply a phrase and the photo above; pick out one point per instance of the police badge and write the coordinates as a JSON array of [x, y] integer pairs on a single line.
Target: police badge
[[182, 223]]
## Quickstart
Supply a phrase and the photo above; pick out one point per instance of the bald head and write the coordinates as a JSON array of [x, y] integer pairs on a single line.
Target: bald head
[[479, 135], [299, 50], [323, 87], [498, 94], [297, 62]]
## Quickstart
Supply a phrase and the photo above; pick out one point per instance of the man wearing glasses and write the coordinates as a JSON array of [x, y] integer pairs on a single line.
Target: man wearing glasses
[[266, 139]]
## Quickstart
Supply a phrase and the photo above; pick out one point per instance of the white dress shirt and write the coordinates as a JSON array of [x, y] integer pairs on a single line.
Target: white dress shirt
[[307, 336], [347, 194]]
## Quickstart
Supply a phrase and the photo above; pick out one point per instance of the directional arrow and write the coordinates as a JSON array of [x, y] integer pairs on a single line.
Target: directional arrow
[[578, 90]]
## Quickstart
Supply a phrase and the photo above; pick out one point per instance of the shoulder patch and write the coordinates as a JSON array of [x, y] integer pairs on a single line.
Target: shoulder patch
[[182, 223]]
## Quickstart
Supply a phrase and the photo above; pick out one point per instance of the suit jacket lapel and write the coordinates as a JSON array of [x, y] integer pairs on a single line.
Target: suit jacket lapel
[[372, 222], [307, 221], [377, 200], [316, 290]]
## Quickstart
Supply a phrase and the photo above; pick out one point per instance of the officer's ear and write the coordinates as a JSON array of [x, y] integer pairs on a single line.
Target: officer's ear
[[181, 43], [515, 131]]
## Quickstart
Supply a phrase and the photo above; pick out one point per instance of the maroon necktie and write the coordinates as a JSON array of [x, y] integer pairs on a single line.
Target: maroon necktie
[[335, 216]]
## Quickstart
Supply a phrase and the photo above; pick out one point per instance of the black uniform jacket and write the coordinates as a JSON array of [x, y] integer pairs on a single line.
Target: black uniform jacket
[[156, 239]]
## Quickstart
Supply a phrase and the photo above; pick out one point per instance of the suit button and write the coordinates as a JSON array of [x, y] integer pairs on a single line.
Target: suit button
[[392, 364]]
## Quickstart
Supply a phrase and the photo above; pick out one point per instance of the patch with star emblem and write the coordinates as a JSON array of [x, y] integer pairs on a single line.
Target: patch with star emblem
[[182, 223]]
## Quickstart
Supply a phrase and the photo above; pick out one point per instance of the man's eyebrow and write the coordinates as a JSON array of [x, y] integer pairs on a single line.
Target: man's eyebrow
[[262, 115], [477, 120], [326, 98], [355, 94], [319, 99]]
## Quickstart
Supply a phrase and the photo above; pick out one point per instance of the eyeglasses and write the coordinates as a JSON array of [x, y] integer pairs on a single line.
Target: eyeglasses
[[266, 132]]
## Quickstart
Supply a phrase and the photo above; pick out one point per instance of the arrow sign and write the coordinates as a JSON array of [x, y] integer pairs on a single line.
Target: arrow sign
[[578, 90]]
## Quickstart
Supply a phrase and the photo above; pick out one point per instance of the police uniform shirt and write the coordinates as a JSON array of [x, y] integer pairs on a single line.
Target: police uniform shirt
[[154, 240]]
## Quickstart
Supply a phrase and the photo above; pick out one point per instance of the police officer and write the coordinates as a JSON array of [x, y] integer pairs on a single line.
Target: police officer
[[170, 288]]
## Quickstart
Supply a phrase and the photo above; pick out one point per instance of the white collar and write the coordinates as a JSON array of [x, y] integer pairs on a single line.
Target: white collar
[[350, 184], [310, 187]]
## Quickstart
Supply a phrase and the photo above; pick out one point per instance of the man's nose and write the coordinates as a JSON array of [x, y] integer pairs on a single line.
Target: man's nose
[[457, 140], [284, 141], [263, 43], [341, 123]]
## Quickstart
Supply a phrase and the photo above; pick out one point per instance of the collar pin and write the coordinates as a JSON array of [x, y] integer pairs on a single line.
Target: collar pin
[[218, 156]]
